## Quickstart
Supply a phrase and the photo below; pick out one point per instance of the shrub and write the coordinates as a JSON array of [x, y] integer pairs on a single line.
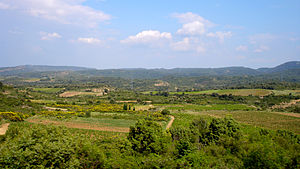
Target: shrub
[[41, 146], [165, 112], [147, 137], [13, 116]]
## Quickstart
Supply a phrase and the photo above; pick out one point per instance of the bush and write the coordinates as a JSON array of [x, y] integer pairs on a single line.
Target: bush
[[87, 114], [266, 155], [165, 112], [13, 116], [147, 137], [40, 146]]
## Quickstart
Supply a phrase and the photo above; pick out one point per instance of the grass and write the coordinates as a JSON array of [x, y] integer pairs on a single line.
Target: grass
[[263, 119], [48, 90], [43, 101], [32, 80], [85, 132], [78, 93], [105, 121], [230, 107], [286, 92], [237, 92]]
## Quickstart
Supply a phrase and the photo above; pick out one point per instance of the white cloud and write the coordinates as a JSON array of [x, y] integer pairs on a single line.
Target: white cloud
[[148, 36], [4, 6], [62, 11], [261, 48], [188, 44], [183, 45], [193, 24], [191, 17], [193, 28], [220, 35], [89, 40], [241, 48], [49, 36]]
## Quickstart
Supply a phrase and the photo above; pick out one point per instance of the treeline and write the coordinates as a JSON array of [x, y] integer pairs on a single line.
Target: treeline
[[170, 83]]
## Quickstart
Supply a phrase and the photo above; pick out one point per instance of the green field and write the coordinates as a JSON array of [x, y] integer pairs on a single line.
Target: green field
[[269, 120], [236, 92], [229, 107], [48, 90], [43, 101], [286, 92]]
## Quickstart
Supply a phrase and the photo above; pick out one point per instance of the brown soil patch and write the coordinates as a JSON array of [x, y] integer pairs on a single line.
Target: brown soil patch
[[31, 80], [289, 114], [127, 101], [161, 83], [70, 94], [4, 128], [75, 93], [285, 105], [54, 108], [6, 92], [79, 125]]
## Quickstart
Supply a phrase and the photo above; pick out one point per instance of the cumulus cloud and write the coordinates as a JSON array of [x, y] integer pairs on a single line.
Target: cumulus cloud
[[183, 45], [188, 44], [220, 35], [193, 28], [191, 17], [261, 48], [241, 48], [148, 36], [193, 24], [89, 40], [62, 11], [50, 36]]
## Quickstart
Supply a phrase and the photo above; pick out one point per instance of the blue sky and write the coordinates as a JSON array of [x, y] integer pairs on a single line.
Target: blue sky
[[149, 34]]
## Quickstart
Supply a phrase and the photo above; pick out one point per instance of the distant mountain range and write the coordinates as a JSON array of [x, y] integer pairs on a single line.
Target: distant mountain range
[[290, 68], [13, 71]]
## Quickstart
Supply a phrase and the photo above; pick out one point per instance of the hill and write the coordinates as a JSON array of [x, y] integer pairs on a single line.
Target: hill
[[11, 71], [286, 69], [283, 67]]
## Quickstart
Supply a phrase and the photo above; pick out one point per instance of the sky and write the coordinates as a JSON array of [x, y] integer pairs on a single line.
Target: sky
[[149, 33]]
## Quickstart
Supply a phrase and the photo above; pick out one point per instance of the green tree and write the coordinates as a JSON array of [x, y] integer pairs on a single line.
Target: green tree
[[147, 137], [125, 107], [165, 112]]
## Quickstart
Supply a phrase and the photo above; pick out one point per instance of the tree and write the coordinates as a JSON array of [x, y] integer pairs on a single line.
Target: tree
[[165, 112], [125, 107], [147, 137], [1, 85]]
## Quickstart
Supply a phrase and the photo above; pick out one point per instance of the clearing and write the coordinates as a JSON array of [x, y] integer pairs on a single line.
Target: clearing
[[76, 93], [271, 120], [48, 90], [285, 105], [80, 125]]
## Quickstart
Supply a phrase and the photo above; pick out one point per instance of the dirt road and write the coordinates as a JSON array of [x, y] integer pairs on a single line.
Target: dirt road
[[170, 122], [3, 128]]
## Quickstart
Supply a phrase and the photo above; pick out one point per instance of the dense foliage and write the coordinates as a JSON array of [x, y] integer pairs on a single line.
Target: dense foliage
[[204, 143]]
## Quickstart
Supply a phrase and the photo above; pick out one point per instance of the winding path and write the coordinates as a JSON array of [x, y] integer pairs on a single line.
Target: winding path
[[170, 122], [3, 128]]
